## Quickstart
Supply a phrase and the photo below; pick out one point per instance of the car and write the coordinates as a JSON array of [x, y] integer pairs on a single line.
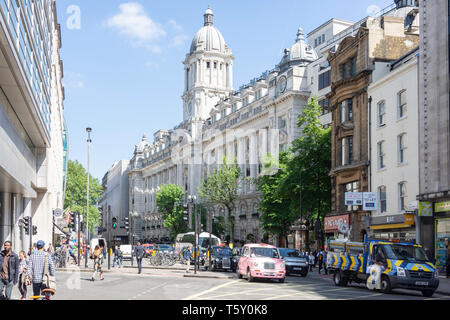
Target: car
[[127, 251], [296, 262], [164, 248], [261, 261], [221, 258], [148, 249]]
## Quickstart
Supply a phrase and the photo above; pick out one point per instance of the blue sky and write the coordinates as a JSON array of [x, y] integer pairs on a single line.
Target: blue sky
[[123, 72]]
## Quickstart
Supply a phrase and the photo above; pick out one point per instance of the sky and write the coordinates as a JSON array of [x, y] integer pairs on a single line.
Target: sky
[[123, 71]]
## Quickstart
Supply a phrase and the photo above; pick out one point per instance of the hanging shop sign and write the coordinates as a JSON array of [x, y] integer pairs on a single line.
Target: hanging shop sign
[[442, 206], [369, 201], [332, 223], [425, 209], [353, 198]]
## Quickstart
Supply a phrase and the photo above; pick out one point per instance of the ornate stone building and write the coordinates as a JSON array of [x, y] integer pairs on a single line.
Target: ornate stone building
[[219, 122], [380, 39]]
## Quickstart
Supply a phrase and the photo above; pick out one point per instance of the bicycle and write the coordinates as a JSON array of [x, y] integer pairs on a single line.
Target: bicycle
[[46, 294]]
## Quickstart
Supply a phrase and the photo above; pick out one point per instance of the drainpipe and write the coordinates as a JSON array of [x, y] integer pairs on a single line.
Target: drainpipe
[[370, 153]]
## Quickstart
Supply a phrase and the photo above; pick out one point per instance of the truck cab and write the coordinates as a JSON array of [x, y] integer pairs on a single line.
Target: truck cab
[[404, 265]]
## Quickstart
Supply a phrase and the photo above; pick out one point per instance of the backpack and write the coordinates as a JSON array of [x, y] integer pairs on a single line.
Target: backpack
[[119, 253]]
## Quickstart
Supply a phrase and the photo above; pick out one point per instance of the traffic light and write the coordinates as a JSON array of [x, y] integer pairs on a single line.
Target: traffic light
[[82, 226], [127, 223], [27, 225], [185, 212], [72, 217], [34, 230], [114, 223]]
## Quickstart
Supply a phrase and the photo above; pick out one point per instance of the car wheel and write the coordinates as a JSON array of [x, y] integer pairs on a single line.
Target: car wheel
[[385, 285], [281, 280], [249, 276], [304, 274], [239, 275], [427, 293], [337, 278]]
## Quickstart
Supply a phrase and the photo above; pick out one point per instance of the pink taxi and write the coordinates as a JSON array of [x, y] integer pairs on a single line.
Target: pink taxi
[[261, 261]]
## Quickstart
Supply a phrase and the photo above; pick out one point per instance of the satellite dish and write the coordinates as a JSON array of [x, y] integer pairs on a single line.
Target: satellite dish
[[57, 213], [343, 228]]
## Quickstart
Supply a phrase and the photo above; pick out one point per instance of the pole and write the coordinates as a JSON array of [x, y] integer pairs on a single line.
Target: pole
[[209, 247], [30, 227], [78, 231], [196, 238], [88, 130], [301, 215]]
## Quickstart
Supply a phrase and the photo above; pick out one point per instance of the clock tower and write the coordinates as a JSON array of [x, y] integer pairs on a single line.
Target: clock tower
[[208, 71]]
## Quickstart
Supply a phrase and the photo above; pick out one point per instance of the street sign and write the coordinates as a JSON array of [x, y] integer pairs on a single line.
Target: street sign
[[57, 213], [369, 201], [353, 199]]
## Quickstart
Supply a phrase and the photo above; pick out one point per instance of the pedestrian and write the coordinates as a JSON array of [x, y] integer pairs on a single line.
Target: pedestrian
[[72, 252], [9, 274], [187, 256], [315, 258], [36, 264], [23, 274], [139, 251], [320, 258], [325, 262], [311, 261], [117, 257], [98, 262]]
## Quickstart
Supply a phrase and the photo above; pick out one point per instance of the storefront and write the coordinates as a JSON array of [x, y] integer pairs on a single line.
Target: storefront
[[399, 227], [335, 226], [442, 231]]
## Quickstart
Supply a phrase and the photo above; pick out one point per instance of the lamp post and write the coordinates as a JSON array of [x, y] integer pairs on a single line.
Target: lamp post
[[192, 200], [88, 130]]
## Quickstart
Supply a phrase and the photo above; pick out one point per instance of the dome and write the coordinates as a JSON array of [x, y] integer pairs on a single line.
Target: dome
[[208, 38], [299, 52], [140, 147]]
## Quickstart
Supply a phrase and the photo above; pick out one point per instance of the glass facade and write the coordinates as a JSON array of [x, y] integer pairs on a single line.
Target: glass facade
[[29, 25]]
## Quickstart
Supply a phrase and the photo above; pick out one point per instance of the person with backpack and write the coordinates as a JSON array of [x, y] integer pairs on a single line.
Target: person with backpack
[[9, 270]]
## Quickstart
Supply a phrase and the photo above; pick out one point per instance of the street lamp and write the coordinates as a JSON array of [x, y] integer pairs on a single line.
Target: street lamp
[[88, 130], [192, 200]]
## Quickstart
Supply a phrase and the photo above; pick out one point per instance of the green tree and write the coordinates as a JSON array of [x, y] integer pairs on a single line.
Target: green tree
[[75, 197], [277, 217], [221, 187], [169, 200]]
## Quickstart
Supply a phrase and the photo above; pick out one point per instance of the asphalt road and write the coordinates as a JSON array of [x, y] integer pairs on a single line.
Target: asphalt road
[[171, 285]]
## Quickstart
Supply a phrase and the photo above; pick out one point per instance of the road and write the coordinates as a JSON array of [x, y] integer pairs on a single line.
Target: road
[[171, 285]]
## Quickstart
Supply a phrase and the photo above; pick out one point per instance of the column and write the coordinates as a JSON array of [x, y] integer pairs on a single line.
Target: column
[[5, 217]]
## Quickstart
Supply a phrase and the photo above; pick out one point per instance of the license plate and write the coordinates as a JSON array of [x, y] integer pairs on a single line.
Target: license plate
[[269, 274], [297, 268], [421, 283]]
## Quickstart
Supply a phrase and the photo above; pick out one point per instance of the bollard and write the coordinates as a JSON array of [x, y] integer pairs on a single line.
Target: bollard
[[109, 259]]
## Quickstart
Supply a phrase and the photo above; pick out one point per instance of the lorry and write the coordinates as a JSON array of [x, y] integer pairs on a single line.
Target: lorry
[[404, 265]]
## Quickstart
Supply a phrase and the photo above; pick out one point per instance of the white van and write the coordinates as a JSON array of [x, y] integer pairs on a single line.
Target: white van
[[127, 251], [101, 242], [186, 239]]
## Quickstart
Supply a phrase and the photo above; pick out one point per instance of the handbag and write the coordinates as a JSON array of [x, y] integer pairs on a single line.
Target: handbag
[[48, 281]]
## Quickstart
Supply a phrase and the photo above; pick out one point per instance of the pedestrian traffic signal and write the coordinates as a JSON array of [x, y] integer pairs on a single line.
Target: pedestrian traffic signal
[[114, 223], [34, 230], [72, 218], [127, 223], [27, 225], [82, 226], [185, 212]]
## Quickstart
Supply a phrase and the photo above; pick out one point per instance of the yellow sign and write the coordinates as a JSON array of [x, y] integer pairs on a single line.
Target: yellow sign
[[409, 219]]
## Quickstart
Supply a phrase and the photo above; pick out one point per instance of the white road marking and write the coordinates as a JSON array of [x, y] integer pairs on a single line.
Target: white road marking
[[209, 290]]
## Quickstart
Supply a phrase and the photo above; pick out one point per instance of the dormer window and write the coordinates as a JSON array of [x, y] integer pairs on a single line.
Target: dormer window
[[208, 65]]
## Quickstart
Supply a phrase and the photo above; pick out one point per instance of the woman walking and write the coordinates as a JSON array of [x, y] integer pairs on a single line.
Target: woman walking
[[98, 262], [23, 274]]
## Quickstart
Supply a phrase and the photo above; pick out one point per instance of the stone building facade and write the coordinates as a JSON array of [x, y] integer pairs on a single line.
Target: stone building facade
[[384, 38]]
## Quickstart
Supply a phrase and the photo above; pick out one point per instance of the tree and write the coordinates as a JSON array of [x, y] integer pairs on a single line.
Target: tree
[[75, 197], [309, 168], [169, 200], [221, 187], [277, 217]]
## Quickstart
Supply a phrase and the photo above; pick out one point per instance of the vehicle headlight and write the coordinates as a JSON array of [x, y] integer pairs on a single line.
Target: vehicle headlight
[[436, 274], [401, 272], [217, 260], [282, 265], [306, 262], [234, 260], [255, 263]]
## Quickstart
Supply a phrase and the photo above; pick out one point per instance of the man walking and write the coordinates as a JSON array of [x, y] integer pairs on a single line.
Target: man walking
[[117, 257], [139, 251], [187, 256], [9, 274], [36, 267]]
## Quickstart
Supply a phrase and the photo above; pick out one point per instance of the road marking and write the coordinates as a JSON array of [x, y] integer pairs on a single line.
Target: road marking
[[150, 289], [209, 290]]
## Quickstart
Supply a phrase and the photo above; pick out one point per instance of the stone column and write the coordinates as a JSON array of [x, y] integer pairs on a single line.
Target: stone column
[[5, 217]]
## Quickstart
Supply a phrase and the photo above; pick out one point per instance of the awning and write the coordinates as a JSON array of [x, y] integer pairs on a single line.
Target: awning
[[391, 226]]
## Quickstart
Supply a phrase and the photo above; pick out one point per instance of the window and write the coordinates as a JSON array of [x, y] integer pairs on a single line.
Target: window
[[353, 67], [325, 104], [245, 102], [344, 70], [208, 64], [351, 187], [346, 108], [382, 199], [234, 107], [401, 98], [323, 38], [346, 151], [401, 148], [281, 123], [315, 42], [324, 80], [402, 196], [381, 155], [381, 113], [215, 65]]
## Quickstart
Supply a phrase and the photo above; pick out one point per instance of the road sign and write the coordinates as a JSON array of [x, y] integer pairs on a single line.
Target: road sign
[[57, 213], [369, 201], [353, 199]]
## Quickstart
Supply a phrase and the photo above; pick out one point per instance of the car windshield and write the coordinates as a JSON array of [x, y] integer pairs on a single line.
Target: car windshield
[[164, 247], [264, 252], [405, 252], [291, 253], [222, 252]]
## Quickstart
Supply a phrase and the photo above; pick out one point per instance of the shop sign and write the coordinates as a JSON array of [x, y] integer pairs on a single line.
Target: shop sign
[[353, 198], [369, 201], [425, 209], [409, 219], [332, 223], [442, 206]]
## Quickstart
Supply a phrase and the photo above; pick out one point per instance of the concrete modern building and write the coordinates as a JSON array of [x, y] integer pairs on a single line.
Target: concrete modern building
[[379, 39], [32, 130], [114, 203], [394, 147], [434, 129]]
